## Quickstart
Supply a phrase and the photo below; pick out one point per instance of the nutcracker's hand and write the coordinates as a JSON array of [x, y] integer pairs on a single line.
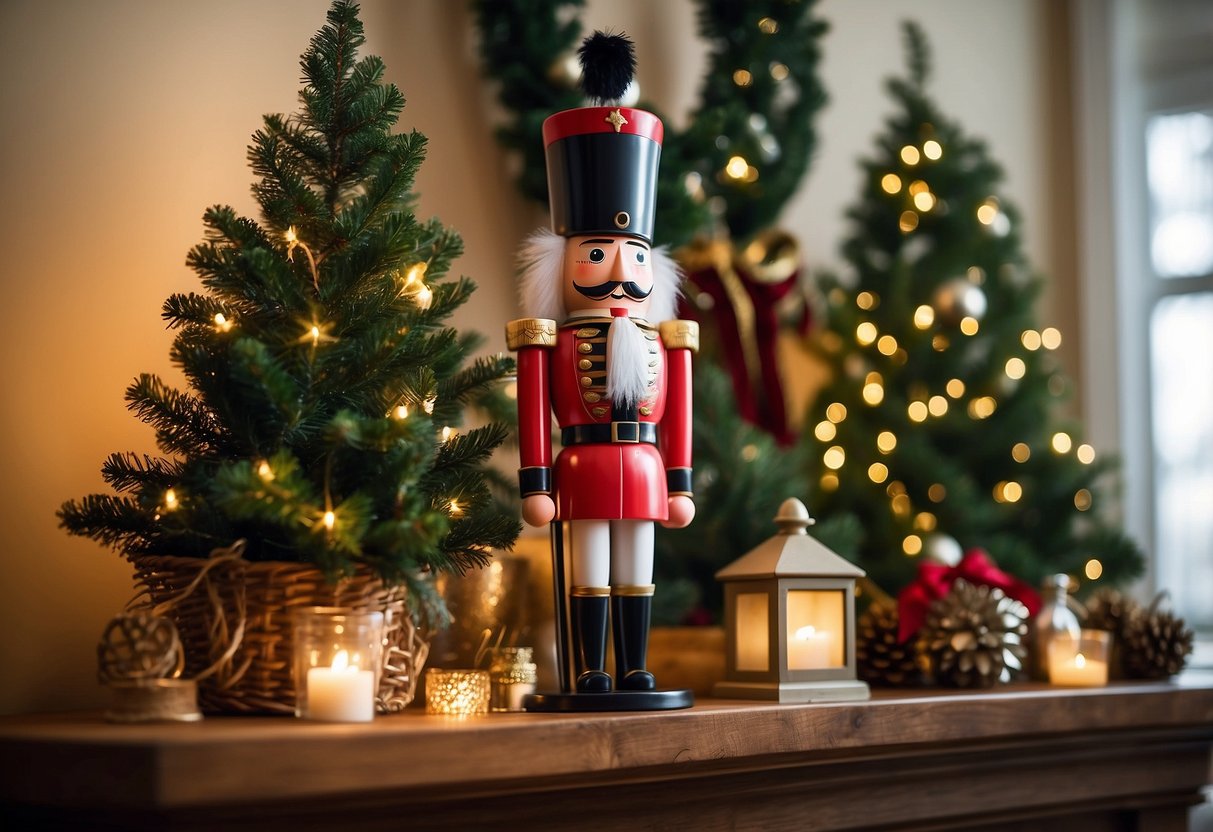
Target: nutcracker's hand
[[682, 512], [538, 509]]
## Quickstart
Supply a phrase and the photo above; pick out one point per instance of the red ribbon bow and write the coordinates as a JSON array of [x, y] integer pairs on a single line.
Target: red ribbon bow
[[935, 580]]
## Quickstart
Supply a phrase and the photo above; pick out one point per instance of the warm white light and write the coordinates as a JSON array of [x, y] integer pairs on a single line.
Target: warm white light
[[932, 150], [909, 155], [428, 405], [1015, 368], [742, 78], [402, 411], [1031, 339], [955, 388], [924, 316], [265, 471], [455, 507], [890, 183], [1061, 442], [737, 168], [878, 472], [1093, 569], [907, 222], [330, 520], [170, 500], [1050, 338], [1085, 454], [222, 323], [825, 431], [917, 411], [924, 201], [291, 236], [447, 433], [865, 333], [873, 393], [836, 412], [987, 211], [424, 297], [969, 325], [887, 345], [937, 405], [834, 457], [1020, 452], [911, 545], [865, 300], [314, 333], [886, 441]]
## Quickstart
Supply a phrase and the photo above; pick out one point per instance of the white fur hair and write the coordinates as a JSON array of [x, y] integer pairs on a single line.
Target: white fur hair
[[541, 289], [627, 362]]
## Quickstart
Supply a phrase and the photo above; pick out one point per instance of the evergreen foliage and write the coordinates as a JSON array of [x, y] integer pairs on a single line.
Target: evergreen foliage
[[312, 337], [970, 405], [765, 116]]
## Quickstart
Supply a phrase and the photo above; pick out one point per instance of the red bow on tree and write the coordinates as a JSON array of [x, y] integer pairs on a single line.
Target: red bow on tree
[[935, 580]]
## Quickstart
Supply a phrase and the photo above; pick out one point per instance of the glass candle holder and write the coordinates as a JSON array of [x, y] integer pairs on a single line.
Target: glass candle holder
[[513, 676], [456, 692], [338, 659], [1081, 662]]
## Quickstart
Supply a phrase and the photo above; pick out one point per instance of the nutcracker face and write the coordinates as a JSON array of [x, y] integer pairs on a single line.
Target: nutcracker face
[[608, 271]]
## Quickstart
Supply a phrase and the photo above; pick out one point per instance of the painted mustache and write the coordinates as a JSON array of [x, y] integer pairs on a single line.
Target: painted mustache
[[607, 289]]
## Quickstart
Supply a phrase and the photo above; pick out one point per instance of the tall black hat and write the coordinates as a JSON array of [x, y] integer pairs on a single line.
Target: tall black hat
[[602, 161]]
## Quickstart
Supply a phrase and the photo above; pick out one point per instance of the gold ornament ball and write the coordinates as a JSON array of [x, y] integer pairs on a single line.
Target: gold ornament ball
[[957, 299]]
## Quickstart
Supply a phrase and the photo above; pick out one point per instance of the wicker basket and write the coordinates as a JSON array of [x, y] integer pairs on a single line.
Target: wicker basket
[[234, 617]]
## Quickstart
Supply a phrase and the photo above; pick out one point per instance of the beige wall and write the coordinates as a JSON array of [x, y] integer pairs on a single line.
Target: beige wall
[[123, 120]]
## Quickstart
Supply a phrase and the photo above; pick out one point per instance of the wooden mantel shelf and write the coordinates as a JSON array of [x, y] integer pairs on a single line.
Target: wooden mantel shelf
[[1133, 755]]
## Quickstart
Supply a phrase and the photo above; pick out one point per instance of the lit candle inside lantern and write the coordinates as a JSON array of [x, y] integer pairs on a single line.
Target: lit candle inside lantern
[[809, 649], [341, 693]]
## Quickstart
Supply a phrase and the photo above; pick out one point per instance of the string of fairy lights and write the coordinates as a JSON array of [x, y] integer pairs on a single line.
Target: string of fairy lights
[[315, 332], [923, 404]]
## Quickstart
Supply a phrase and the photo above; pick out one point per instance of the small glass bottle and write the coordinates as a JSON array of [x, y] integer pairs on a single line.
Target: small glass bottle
[[513, 676], [1055, 621]]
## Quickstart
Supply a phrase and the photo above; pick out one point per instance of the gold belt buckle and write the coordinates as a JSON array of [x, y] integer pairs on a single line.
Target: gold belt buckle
[[631, 437]]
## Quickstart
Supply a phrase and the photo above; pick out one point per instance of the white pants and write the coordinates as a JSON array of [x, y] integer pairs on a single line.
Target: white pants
[[611, 552]]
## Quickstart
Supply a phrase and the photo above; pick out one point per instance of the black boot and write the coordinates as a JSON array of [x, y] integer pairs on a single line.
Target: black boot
[[589, 614], [630, 617]]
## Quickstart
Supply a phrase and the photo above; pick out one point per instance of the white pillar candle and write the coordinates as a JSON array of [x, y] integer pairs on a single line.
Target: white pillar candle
[[341, 693], [809, 649], [1077, 670]]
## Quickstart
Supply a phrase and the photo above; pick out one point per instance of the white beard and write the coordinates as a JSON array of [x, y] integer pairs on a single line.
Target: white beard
[[627, 363]]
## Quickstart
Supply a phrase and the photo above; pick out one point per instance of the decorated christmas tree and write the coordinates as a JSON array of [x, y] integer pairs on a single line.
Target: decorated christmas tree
[[940, 426], [321, 423], [723, 180]]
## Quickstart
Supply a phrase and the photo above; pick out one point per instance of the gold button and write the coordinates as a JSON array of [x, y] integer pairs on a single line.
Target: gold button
[[585, 364], [584, 348], [586, 381], [592, 397], [588, 332], [599, 412], [646, 411]]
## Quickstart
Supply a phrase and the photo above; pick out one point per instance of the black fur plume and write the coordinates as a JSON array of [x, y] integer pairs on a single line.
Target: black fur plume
[[607, 65]]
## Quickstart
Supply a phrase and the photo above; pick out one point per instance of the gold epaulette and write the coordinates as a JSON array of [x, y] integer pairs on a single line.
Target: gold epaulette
[[530, 332], [680, 335]]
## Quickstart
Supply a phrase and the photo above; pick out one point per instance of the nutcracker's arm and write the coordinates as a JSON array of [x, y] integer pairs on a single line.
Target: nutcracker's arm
[[681, 340], [533, 339]]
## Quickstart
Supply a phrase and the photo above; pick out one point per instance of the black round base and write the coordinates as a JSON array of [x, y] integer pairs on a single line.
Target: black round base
[[618, 700]]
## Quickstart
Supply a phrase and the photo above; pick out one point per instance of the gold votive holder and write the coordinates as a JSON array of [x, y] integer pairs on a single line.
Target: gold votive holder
[[513, 675], [154, 700], [456, 692]]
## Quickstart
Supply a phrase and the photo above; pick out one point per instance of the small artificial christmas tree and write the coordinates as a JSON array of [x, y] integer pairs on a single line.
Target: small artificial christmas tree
[[938, 425], [325, 392], [727, 175]]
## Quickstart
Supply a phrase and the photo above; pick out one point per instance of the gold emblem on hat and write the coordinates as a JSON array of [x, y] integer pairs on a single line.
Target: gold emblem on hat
[[616, 119]]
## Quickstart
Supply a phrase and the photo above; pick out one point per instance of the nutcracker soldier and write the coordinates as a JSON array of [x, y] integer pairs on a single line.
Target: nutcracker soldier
[[602, 352]]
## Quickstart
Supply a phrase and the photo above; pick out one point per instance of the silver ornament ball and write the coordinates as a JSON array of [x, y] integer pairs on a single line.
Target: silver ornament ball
[[956, 299]]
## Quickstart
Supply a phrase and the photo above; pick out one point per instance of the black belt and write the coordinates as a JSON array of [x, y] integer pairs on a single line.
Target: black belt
[[613, 433]]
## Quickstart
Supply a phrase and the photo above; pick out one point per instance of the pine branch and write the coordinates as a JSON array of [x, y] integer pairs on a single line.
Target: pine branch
[[117, 522], [130, 471], [183, 424]]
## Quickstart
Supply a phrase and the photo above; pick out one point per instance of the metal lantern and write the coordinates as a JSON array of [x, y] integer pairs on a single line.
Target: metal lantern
[[789, 610]]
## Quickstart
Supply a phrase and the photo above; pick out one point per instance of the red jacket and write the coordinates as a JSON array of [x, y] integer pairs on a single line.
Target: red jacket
[[615, 464]]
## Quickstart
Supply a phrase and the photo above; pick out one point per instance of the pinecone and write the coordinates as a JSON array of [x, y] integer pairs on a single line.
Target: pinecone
[[1111, 611], [974, 636], [1156, 645], [879, 657]]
